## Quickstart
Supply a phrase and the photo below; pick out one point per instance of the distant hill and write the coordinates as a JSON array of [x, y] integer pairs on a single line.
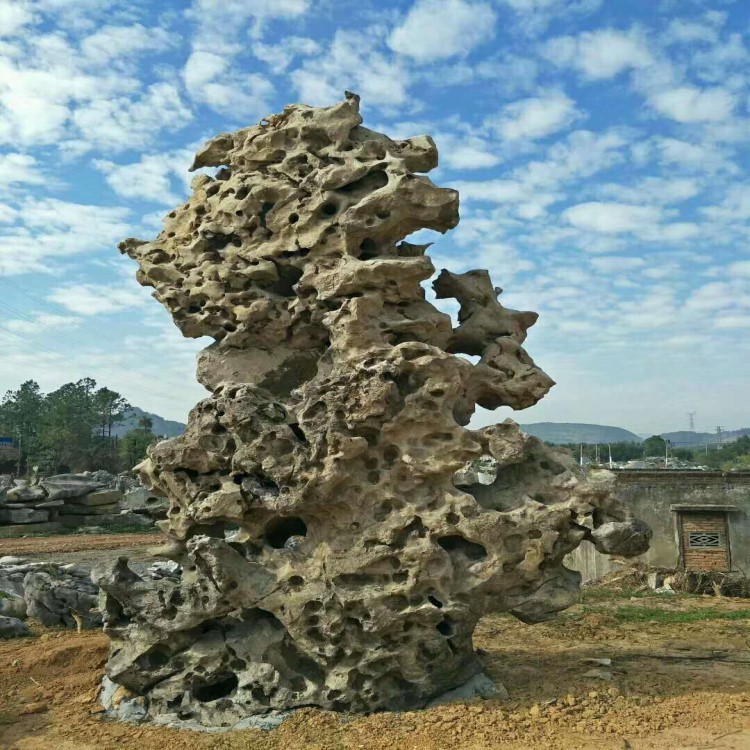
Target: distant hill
[[161, 426], [570, 432], [686, 438]]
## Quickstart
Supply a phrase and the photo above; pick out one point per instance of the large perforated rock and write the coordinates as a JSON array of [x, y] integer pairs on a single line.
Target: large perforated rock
[[328, 557]]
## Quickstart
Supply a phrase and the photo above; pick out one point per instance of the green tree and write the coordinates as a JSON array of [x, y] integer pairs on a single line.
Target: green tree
[[654, 446], [110, 408], [135, 443], [20, 412], [66, 430]]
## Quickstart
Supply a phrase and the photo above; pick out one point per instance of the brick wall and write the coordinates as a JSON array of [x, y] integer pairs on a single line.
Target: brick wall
[[697, 558]]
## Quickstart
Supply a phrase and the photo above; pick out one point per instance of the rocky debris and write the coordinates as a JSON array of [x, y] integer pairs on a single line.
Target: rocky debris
[[72, 501], [12, 627], [144, 502], [64, 598], [355, 570]]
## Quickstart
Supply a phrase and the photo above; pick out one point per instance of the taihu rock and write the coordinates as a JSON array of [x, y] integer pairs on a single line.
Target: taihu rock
[[328, 558]]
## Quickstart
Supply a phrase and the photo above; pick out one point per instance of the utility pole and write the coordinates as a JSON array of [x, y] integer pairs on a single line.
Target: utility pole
[[666, 454], [581, 446], [20, 446], [691, 417], [718, 434], [610, 454]]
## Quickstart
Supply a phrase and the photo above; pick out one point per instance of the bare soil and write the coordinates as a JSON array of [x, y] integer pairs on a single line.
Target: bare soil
[[84, 550], [679, 680]]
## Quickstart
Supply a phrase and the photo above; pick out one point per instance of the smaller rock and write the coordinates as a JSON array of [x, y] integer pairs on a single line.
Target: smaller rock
[[10, 560], [12, 627], [25, 493], [598, 674], [23, 515], [479, 686]]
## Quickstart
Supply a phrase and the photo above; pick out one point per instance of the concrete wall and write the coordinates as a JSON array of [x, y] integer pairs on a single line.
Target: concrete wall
[[650, 494]]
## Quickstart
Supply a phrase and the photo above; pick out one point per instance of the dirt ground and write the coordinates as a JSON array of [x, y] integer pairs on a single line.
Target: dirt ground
[[45, 546], [677, 680]]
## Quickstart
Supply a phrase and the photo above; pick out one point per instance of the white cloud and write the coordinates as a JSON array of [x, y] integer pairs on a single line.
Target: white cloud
[[117, 44], [438, 29], [612, 217], [48, 230], [17, 169], [220, 19], [734, 207], [536, 117], [600, 54], [40, 323], [14, 16], [93, 299], [740, 268], [690, 104], [279, 57], [703, 157], [212, 81], [616, 263], [352, 63], [119, 123], [151, 178], [683, 31], [659, 190]]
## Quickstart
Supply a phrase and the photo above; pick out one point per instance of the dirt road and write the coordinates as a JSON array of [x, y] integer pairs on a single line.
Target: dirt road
[[679, 679], [84, 549]]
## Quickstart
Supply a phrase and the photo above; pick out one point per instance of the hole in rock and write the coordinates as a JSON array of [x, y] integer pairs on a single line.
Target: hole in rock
[[155, 658], [455, 544], [435, 601], [297, 430], [296, 582], [328, 209], [370, 182], [293, 218], [288, 277], [535, 534], [368, 248], [445, 628], [279, 530], [219, 687]]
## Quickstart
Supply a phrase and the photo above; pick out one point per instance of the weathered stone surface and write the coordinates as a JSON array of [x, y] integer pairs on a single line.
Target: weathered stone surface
[[102, 497], [23, 515], [61, 599], [13, 606], [327, 556], [12, 627], [64, 486], [85, 510], [24, 493]]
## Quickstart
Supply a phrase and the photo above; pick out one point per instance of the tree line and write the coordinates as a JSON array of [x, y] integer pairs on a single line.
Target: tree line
[[732, 456], [69, 429]]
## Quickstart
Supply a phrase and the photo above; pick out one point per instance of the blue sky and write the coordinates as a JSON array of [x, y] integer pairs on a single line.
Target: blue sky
[[600, 148]]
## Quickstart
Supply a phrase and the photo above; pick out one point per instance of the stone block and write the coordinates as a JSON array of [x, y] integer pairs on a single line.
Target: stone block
[[100, 497], [82, 510], [69, 485], [23, 515], [25, 494]]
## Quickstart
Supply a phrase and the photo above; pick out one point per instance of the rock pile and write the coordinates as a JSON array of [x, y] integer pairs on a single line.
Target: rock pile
[[52, 594], [68, 501], [328, 557]]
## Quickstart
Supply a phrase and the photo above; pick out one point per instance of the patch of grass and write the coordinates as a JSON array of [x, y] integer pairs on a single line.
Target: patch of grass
[[3, 595], [651, 614]]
